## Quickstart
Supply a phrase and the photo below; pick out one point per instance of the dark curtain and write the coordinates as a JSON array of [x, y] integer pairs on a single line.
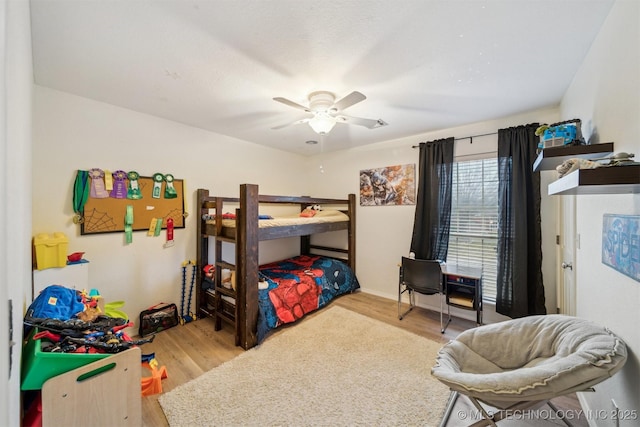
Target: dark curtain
[[430, 239], [520, 291]]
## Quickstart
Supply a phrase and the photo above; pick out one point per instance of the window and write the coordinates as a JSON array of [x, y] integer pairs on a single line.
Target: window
[[474, 220]]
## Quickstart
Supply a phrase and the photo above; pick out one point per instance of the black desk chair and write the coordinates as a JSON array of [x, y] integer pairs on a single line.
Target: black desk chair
[[424, 277]]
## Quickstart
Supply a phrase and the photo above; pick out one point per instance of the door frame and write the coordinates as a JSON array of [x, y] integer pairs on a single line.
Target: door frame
[[566, 253]]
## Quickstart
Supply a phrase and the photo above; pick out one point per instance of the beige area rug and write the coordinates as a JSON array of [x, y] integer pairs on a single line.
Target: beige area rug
[[337, 368]]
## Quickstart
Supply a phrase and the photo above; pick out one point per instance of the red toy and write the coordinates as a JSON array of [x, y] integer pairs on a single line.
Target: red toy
[[209, 270]]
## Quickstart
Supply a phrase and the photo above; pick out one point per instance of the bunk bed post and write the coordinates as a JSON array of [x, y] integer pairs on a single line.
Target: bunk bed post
[[202, 252], [247, 266], [351, 233], [305, 241], [305, 245]]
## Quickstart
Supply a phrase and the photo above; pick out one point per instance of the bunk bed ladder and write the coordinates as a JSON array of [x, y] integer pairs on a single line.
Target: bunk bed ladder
[[213, 299], [204, 292], [225, 307]]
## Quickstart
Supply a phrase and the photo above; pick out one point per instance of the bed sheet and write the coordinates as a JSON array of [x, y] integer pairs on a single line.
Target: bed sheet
[[300, 285], [281, 221]]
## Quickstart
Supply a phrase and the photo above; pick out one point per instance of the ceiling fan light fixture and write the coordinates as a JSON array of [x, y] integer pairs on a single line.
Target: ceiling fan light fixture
[[322, 124], [326, 111], [321, 101]]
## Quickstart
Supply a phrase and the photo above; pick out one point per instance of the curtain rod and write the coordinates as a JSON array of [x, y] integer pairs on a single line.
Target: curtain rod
[[466, 137]]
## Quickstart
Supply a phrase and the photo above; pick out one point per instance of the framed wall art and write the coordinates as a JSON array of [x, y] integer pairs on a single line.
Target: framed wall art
[[390, 185], [621, 244]]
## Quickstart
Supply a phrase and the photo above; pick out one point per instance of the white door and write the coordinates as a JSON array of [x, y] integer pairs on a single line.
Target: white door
[[567, 251]]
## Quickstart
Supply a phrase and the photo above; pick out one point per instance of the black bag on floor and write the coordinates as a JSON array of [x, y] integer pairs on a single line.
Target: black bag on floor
[[158, 318]]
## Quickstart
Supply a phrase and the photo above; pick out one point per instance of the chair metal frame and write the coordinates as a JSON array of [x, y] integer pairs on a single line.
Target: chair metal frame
[[499, 414], [424, 277]]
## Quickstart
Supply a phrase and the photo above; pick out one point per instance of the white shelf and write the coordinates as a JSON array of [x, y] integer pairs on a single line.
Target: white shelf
[[552, 157], [603, 180]]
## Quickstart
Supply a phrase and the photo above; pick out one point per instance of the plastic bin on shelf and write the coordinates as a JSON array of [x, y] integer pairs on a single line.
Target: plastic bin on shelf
[[51, 251]]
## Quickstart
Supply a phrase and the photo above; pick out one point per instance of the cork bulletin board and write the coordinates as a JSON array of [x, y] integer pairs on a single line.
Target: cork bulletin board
[[107, 215]]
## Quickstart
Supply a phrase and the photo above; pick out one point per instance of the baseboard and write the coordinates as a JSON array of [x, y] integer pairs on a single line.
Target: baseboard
[[379, 294]]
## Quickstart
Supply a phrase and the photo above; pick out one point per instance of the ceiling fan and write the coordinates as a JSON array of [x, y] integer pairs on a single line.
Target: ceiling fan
[[326, 112]]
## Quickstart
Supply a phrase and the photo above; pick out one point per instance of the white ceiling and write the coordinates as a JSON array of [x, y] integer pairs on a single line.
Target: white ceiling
[[216, 64]]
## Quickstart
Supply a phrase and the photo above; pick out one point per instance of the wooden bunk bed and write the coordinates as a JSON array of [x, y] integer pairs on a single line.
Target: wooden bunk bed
[[239, 306]]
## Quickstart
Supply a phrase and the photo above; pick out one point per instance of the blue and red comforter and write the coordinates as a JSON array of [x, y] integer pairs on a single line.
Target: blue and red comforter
[[299, 285]]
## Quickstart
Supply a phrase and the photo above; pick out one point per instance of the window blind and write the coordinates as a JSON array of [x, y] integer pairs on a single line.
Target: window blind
[[474, 220]]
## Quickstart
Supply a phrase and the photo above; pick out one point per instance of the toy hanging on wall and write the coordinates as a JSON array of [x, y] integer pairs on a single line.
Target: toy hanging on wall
[[189, 316]]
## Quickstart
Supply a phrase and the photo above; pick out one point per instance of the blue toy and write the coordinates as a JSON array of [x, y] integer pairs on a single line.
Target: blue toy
[[558, 136]]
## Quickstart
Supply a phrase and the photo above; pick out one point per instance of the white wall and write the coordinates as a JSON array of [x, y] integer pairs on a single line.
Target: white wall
[[72, 133], [384, 232], [16, 75], [605, 93]]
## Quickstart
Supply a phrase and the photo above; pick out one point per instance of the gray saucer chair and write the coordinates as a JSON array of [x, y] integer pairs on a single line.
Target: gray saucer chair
[[523, 363], [425, 277]]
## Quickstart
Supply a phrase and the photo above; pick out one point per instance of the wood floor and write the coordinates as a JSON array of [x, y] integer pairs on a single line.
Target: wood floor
[[190, 350]]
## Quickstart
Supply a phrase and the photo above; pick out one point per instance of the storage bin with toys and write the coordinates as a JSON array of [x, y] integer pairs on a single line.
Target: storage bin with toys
[[66, 329]]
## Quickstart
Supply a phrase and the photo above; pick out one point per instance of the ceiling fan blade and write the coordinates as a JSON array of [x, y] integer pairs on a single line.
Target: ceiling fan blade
[[368, 123], [349, 100], [285, 101], [297, 122]]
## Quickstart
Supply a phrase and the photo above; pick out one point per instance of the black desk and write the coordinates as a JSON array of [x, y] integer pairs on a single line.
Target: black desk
[[463, 288]]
